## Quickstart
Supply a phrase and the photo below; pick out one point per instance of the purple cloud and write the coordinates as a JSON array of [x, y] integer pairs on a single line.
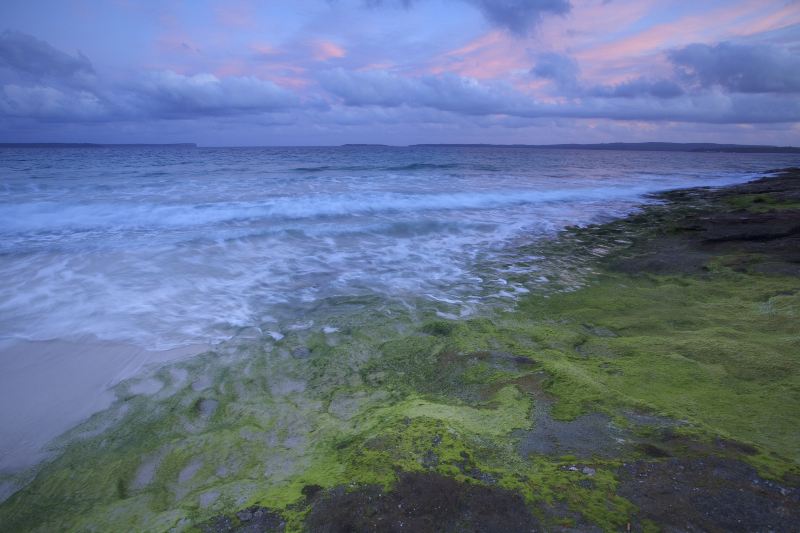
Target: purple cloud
[[517, 16], [740, 68], [23, 53], [168, 94]]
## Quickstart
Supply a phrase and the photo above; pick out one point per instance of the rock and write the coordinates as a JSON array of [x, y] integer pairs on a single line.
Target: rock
[[421, 502], [430, 459], [301, 352]]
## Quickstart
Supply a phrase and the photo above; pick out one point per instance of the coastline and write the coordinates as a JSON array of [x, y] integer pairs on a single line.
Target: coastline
[[670, 372], [37, 404]]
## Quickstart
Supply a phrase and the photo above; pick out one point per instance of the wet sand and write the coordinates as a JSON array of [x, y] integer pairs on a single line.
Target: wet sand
[[48, 387]]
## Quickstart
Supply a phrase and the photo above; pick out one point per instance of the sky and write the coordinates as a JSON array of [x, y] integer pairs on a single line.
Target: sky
[[327, 72]]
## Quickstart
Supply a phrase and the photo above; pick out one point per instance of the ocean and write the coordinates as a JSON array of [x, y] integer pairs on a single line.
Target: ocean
[[162, 247]]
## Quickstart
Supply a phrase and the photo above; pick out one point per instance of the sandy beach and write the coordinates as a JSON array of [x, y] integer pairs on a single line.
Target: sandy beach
[[48, 387]]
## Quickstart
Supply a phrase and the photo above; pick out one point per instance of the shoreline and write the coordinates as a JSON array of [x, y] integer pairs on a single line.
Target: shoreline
[[669, 373], [37, 404]]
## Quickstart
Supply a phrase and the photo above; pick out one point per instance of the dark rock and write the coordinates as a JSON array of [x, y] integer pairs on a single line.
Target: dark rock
[[708, 494], [309, 491], [251, 520], [422, 503]]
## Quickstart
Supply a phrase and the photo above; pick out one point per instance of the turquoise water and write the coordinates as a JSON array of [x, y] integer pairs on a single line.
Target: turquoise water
[[164, 247]]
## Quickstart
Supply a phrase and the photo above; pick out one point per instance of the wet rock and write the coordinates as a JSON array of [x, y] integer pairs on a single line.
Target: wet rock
[[147, 471], [202, 383], [208, 498], [251, 520], [309, 491], [430, 460], [652, 450], [502, 360], [708, 494], [206, 407], [422, 503], [189, 471], [756, 224], [301, 352], [586, 436]]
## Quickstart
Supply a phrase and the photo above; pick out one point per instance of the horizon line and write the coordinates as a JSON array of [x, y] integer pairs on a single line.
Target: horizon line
[[641, 145]]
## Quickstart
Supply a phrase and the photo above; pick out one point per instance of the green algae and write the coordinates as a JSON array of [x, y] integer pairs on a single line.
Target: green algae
[[700, 350], [761, 203]]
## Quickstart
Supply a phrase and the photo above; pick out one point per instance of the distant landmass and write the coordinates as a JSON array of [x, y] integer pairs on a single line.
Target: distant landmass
[[633, 147], [651, 146], [96, 145]]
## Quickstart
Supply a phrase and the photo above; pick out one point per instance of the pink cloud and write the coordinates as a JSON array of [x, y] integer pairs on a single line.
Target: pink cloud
[[386, 65], [492, 55], [325, 50], [642, 53], [783, 17]]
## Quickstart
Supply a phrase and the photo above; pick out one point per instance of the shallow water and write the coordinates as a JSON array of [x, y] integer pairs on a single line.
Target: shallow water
[[162, 247]]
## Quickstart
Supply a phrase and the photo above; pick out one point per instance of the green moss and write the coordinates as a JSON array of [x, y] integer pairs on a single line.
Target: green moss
[[760, 203], [720, 352]]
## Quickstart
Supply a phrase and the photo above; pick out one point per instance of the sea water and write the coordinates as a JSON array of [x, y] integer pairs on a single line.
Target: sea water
[[168, 246]]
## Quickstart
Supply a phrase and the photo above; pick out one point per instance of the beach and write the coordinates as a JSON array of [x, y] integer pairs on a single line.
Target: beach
[[367, 266], [607, 365], [39, 402]]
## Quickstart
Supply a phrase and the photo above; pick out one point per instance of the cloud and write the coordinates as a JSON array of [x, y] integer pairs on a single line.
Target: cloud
[[50, 103], [168, 94], [742, 68], [519, 16], [561, 69], [28, 55], [447, 92], [637, 100], [325, 50], [639, 87]]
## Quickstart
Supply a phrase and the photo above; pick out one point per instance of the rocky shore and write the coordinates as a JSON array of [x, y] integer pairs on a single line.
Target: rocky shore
[[661, 393]]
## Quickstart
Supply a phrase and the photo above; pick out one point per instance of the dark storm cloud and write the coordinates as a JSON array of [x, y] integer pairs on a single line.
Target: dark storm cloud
[[26, 54], [740, 68]]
